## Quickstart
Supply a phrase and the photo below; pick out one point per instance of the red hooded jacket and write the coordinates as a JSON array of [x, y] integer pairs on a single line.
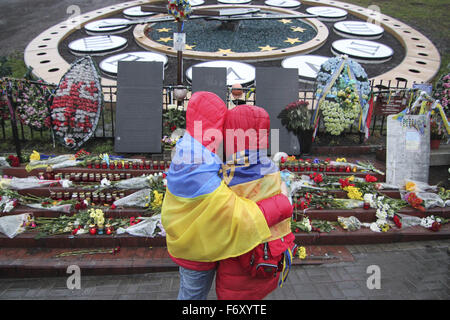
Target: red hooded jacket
[[205, 116], [233, 282]]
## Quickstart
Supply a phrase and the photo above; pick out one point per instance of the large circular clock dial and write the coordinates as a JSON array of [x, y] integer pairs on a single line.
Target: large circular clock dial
[[388, 49]]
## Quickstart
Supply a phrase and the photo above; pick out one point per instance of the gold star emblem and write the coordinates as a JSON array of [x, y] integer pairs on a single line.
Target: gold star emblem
[[164, 29], [292, 40], [267, 48], [165, 39], [188, 47], [285, 21], [225, 51], [297, 29]]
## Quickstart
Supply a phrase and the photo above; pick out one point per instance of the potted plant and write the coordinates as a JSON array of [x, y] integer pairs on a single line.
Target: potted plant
[[436, 133], [296, 117]]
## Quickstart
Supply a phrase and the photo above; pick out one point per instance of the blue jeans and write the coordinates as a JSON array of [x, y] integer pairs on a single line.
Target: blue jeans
[[195, 285]]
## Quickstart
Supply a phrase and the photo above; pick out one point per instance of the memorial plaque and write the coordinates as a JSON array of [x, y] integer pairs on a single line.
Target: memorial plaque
[[210, 79], [276, 88], [407, 149], [387, 104], [139, 107]]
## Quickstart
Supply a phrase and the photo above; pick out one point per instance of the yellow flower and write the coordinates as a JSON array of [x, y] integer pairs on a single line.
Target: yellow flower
[[100, 220], [351, 178], [301, 252], [410, 186], [385, 228], [341, 160], [35, 156], [353, 193]]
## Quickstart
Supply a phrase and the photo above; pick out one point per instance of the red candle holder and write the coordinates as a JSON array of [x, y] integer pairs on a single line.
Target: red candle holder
[[155, 165], [112, 166], [135, 165], [141, 165], [119, 165], [104, 165], [162, 165], [126, 165], [366, 206]]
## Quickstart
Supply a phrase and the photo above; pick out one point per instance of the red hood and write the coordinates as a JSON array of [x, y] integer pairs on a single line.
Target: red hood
[[207, 112], [246, 117]]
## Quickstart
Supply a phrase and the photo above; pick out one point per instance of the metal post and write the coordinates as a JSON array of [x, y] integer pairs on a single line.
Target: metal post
[[180, 58], [12, 111]]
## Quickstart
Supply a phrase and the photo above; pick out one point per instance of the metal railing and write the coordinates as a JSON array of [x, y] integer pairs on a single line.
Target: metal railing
[[106, 124]]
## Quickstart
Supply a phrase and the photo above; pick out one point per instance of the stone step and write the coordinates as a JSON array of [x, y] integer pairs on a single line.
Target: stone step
[[45, 191], [20, 172], [335, 237], [42, 262], [323, 214]]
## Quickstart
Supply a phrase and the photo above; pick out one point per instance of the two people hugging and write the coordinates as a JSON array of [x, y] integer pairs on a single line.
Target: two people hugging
[[227, 219]]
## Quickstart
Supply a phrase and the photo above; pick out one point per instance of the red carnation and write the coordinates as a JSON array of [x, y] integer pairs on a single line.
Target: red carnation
[[370, 178], [397, 221], [318, 178], [435, 226]]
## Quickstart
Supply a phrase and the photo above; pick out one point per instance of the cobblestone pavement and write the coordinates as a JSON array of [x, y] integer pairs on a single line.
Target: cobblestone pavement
[[414, 270]]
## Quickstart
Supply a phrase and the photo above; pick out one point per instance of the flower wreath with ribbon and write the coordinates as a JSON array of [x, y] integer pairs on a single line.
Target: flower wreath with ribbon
[[343, 91], [179, 9]]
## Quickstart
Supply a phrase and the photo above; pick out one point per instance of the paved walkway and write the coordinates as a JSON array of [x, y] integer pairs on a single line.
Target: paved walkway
[[414, 270]]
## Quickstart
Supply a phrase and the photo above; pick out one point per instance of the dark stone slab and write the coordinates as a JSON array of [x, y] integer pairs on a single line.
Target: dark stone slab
[[139, 107], [210, 79], [277, 87]]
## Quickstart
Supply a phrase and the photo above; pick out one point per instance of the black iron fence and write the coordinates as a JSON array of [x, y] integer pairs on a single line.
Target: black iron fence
[[106, 124]]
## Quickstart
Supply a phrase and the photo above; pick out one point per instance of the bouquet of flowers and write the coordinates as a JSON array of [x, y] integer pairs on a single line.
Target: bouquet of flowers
[[4, 110], [436, 130], [173, 118], [442, 91], [296, 116], [31, 104]]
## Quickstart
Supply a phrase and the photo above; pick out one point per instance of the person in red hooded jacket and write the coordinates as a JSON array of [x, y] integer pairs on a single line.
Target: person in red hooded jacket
[[196, 198], [246, 277]]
